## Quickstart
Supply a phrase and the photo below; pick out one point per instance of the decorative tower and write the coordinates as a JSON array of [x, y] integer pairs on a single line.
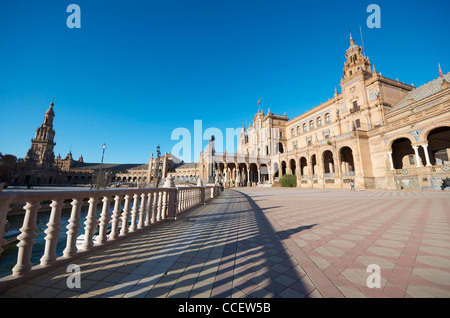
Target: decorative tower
[[41, 152], [356, 63]]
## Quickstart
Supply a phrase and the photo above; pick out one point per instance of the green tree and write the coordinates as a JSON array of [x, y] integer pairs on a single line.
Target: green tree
[[288, 180], [9, 166]]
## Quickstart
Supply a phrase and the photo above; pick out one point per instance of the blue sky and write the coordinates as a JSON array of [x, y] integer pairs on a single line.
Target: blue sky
[[137, 70]]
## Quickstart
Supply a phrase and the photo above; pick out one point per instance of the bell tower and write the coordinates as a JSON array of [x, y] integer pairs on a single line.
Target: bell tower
[[357, 63], [41, 152]]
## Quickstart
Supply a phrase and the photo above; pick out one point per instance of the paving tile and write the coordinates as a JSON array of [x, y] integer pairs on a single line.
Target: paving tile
[[271, 248]]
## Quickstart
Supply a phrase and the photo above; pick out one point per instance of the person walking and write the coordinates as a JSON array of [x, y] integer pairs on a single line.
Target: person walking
[[352, 186]]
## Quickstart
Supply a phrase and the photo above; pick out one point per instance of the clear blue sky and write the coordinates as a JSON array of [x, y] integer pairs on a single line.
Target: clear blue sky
[[137, 70]]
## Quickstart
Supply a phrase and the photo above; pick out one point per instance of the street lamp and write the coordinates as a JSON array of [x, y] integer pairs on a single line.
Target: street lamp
[[158, 158], [101, 167]]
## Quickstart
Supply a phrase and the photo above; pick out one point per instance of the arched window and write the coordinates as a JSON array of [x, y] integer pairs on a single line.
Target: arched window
[[311, 125], [299, 130], [319, 121], [292, 132], [305, 128], [327, 118]]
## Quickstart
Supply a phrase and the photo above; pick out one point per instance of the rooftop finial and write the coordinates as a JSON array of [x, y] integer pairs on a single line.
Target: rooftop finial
[[351, 38]]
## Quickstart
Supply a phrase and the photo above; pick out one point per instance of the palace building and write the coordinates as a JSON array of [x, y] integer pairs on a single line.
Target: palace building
[[378, 132], [42, 168]]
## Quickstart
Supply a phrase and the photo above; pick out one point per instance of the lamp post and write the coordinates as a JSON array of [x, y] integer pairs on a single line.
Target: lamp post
[[100, 178], [158, 158]]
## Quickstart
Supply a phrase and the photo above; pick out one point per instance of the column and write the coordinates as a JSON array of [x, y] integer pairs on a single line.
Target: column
[[427, 157], [259, 176], [269, 171], [416, 155], [390, 160]]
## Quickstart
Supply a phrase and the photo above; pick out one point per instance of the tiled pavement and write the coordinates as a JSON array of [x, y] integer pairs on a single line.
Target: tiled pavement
[[276, 242]]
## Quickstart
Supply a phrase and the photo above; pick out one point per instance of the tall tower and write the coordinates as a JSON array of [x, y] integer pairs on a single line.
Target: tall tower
[[41, 152], [357, 63]]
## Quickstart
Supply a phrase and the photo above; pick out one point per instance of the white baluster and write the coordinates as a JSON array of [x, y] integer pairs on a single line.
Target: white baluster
[[4, 209], [52, 231], [158, 213], [141, 211], [164, 206], [148, 209], [90, 225], [104, 221], [28, 233], [72, 227], [125, 216], [134, 212], [116, 218], [154, 206]]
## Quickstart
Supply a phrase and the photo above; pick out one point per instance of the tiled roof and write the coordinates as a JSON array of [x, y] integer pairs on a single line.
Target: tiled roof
[[423, 91]]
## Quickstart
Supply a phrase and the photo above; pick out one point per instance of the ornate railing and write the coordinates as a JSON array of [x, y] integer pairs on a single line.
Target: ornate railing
[[123, 212]]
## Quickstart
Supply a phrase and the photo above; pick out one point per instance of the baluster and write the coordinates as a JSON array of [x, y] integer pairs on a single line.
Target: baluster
[[104, 221], [4, 209], [141, 212], [72, 227], [134, 212], [148, 209], [28, 233], [180, 200], [116, 218], [125, 216], [158, 213], [154, 206], [52, 231], [91, 224], [164, 206]]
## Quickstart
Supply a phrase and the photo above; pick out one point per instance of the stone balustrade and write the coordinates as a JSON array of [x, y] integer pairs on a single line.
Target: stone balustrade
[[136, 209]]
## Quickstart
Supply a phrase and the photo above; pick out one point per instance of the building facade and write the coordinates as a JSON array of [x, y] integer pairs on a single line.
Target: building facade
[[378, 132]]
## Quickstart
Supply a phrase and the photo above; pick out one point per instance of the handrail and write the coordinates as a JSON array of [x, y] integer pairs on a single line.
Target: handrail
[[140, 208]]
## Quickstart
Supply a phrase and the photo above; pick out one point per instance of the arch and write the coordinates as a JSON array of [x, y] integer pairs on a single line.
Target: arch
[[280, 147], [242, 179], [328, 163], [283, 168], [303, 166], [311, 124], [319, 121], [439, 145], [314, 164], [264, 173], [305, 127], [406, 136], [402, 153], [426, 131], [293, 166], [276, 169], [253, 173], [347, 161], [327, 118]]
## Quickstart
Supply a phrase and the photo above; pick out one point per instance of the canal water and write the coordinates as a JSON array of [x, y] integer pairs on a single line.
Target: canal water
[[8, 258]]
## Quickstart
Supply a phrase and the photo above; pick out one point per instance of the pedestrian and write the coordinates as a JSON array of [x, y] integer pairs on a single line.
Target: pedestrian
[[352, 186]]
